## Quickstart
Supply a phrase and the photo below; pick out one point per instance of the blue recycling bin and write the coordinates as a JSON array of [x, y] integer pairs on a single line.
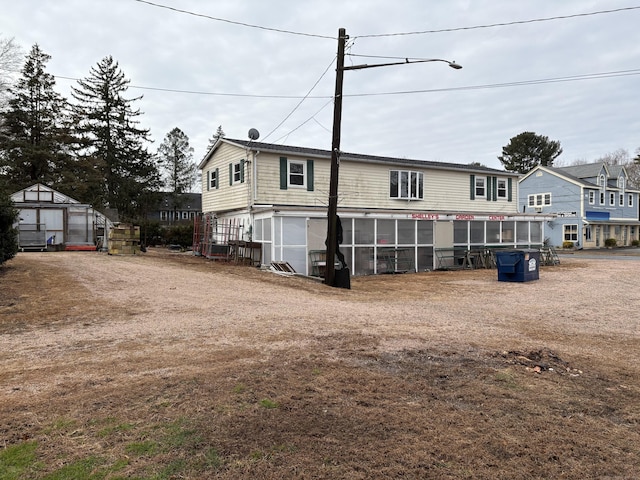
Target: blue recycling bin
[[518, 265]]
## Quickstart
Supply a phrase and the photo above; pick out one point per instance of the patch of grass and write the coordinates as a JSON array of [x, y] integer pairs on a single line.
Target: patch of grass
[[179, 435], [113, 426], [240, 388], [267, 403], [146, 448], [506, 378], [84, 469], [15, 460]]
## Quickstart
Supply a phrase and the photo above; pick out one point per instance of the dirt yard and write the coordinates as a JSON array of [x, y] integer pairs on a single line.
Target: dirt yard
[[166, 365]]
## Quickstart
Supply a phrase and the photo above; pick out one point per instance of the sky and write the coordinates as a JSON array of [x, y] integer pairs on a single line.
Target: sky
[[567, 70]]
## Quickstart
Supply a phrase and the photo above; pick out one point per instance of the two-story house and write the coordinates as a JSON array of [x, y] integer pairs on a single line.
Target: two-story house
[[593, 202], [278, 196]]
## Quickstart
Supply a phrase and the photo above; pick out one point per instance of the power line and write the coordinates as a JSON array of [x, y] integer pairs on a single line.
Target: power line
[[302, 100], [232, 22], [587, 76], [503, 24]]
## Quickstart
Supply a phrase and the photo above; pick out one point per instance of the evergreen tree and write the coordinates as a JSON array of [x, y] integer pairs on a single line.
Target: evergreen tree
[[107, 122], [175, 156], [212, 141], [527, 150], [34, 139], [8, 234]]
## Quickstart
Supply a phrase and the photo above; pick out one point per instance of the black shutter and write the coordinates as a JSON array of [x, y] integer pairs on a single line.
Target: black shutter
[[310, 175], [472, 184], [283, 173]]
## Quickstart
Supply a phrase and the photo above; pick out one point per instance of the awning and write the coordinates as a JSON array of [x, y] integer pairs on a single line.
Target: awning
[[635, 223]]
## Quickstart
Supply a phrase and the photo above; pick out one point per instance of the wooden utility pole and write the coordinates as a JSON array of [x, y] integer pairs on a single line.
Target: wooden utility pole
[[332, 213]]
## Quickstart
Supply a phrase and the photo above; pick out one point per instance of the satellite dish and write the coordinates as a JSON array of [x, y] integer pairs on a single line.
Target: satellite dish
[[254, 134]]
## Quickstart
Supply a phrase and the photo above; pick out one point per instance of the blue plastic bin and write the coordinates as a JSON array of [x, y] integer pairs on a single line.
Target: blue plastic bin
[[518, 265]]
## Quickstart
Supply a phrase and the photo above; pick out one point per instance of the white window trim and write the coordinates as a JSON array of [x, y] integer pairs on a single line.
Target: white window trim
[[592, 197], [612, 199], [502, 188], [237, 173], [419, 185], [539, 200], [480, 182], [213, 180], [630, 200], [304, 174], [573, 233]]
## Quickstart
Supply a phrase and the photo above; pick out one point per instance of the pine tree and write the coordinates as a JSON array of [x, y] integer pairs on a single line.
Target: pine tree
[[212, 141], [175, 156], [35, 140], [8, 234], [107, 122], [527, 150]]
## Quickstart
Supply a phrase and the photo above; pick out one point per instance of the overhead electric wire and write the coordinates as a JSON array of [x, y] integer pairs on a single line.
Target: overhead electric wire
[[501, 24], [591, 76], [587, 76], [242, 24], [419, 32], [303, 98]]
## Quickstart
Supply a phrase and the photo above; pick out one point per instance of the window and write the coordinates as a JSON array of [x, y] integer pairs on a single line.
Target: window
[[621, 201], [539, 200], [601, 182], [406, 185], [630, 200], [571, 233], [236, 172], [612, 199], [502, 188], [592, 197], [480, 187], [601, 198], [621, 183], [213, 179], [296, 174], [163, 215], [185, 215]]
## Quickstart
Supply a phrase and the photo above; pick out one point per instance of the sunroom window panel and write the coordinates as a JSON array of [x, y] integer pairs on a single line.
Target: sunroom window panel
[[404, 184]]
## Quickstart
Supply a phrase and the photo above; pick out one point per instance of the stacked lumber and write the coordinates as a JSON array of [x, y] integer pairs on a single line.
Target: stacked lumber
[[124, 240]]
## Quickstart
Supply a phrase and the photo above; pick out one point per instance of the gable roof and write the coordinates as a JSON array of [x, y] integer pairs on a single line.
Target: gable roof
[[587, 170], [358, 157]]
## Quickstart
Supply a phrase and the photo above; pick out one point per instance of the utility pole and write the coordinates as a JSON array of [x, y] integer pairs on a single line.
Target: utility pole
[[332, 213]]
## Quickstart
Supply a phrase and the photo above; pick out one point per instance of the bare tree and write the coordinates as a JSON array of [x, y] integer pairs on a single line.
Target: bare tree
[[10, 63]]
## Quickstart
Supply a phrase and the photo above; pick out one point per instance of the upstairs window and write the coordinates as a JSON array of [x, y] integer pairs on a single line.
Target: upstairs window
[[540, 200], [630, 200], [297, 174], [612, 199], [601, 198], [213, 180], [621, 200], [236, 172], [592, 197], [406, 185], [480, 187], [502, 188]]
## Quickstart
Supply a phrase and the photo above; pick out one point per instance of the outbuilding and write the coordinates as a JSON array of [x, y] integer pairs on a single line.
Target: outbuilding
[[50, 220]]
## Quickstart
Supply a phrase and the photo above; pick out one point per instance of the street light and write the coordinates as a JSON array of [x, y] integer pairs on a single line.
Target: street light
[[332, 213]]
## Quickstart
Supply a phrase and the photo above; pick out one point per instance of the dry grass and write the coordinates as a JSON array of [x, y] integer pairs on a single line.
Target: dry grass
[[170, 366]]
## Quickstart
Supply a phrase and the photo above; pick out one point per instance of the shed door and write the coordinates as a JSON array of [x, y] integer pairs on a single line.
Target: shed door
[[54, 220]]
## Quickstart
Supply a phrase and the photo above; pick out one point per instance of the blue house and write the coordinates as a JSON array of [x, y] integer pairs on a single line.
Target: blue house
[[593, 202]]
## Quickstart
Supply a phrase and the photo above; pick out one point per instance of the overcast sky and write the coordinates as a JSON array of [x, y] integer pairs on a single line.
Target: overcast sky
[[588, 65]]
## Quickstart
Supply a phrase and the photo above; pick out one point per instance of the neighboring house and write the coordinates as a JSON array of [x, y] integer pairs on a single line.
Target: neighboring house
[[176, 207], [593, 202], [50, 220], [278, 196]]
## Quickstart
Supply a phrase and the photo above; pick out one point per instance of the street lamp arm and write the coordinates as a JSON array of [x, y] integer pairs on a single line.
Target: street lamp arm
[[363, 66]]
